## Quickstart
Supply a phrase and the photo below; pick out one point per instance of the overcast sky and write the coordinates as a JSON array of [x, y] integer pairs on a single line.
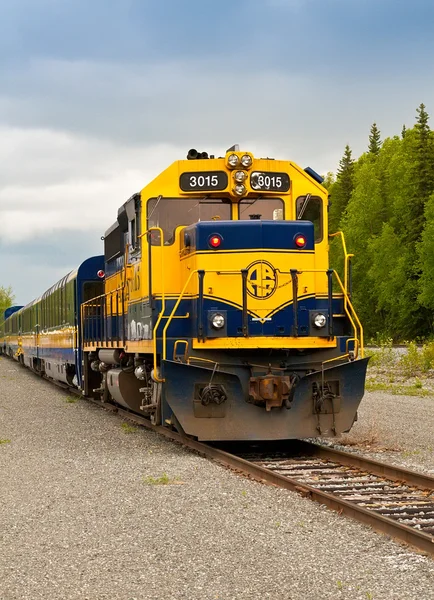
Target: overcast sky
[[98, 96]]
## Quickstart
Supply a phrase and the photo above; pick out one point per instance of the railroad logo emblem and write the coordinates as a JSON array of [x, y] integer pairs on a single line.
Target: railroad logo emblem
[[261, 280]]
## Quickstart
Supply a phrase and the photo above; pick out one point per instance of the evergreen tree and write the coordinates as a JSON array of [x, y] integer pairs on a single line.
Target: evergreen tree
[[374, 140], [403, 131], [342, 189], [424, 156]]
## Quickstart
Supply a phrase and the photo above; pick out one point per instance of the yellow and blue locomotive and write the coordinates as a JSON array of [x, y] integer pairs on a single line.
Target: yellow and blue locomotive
[[219, 315], [214, 309]]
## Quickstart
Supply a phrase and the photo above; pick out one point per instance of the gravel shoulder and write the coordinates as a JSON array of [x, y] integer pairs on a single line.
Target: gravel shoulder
[[80, 518], [397, 429]]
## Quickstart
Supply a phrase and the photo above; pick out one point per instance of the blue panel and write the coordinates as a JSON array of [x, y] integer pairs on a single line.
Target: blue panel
[[10, 311], [314, 174], [66, 355], [248, 235]]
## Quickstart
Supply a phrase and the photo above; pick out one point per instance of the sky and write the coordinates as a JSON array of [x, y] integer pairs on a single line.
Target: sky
[[98, 96]]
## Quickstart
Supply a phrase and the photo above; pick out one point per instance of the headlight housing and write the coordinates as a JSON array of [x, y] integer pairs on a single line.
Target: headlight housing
[[240, 189], [217, 321], [240, 176], [246, 160], [320, 320], [233, 160]]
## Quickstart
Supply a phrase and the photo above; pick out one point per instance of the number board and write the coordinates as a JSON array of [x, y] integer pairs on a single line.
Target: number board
[[269, 181], [199, 181]]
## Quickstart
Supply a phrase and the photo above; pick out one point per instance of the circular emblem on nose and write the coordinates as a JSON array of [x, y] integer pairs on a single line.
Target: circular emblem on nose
[[261, 280]]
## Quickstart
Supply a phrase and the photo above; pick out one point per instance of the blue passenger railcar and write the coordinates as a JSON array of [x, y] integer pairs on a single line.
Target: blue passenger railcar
[[9, 331], [51, 325]]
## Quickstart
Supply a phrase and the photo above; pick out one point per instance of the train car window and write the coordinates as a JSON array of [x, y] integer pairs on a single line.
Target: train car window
[[113, 242], [170, 213], [92, 289], [134, 234], [265, 209], [309, 208]]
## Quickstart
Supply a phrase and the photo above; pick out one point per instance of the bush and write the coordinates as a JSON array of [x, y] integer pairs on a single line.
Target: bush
[[384, 357], [411, 362], [428, 356]]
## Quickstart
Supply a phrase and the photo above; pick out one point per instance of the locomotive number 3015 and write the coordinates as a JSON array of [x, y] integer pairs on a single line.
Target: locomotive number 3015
[[203, 180]]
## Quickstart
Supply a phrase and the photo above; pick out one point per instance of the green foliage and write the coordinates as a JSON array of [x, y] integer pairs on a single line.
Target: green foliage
[[411, 361], [6, 299], [164, 479], [341, 190], [384, 204], [72, 399], [127, 428], [374, 140], [427, 354]]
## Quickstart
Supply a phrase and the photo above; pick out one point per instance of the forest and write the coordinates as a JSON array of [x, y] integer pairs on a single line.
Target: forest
[[384, 204]]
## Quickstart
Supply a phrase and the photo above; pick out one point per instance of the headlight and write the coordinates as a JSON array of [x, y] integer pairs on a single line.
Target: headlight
[[319, 320], [218, 321], [240, 176], [233, 160], [240, 189], [246, 160]]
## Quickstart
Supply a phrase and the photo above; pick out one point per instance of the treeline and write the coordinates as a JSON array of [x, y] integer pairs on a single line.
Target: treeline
[[6, 299], [384, 203]]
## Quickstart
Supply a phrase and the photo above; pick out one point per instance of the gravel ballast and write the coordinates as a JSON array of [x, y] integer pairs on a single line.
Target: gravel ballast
[[82, 518]]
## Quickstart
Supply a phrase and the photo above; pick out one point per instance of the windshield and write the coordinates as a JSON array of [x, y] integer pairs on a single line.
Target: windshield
[[169, 213], [309, 208], [266, 209]]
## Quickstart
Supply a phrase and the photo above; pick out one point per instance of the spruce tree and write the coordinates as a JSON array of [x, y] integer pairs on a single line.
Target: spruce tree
[[345, 176], [424, 157], [342, 189], [403, 131], [374, 140]]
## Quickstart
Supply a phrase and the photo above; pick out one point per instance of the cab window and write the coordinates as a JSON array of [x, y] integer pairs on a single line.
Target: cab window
[[309, 208], [266, 209], [170, 213]]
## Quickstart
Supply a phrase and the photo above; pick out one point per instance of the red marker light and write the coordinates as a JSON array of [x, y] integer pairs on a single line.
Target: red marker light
[[101, 274], [300, 241], [215, 241]]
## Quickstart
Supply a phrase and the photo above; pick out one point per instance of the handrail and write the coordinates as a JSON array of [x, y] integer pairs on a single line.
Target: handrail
[[346, 256], [347, 303], [169, 320], [163, 299]]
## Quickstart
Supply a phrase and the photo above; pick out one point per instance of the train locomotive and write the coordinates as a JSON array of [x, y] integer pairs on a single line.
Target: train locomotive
[[213, 311]]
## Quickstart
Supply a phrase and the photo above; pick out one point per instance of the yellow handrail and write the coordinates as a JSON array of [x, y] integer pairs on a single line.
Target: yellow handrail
[[347, 303], [163, 301], [169, 320], [346, 256]]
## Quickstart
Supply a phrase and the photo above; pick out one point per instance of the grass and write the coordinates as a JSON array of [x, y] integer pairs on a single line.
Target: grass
[[164, 479], [71, 400], [415, 389], [4, 441], [127, 428]]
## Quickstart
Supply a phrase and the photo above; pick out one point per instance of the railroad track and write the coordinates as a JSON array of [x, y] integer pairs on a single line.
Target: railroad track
[[395, 501]]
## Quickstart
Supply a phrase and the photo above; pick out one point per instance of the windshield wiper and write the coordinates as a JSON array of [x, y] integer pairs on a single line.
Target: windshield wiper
[[304, 206]]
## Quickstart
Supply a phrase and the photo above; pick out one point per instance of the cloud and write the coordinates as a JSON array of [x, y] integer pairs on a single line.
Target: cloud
[[52, 181]]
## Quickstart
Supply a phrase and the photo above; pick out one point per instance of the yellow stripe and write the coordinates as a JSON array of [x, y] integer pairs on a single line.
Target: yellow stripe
[[228, 343]]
